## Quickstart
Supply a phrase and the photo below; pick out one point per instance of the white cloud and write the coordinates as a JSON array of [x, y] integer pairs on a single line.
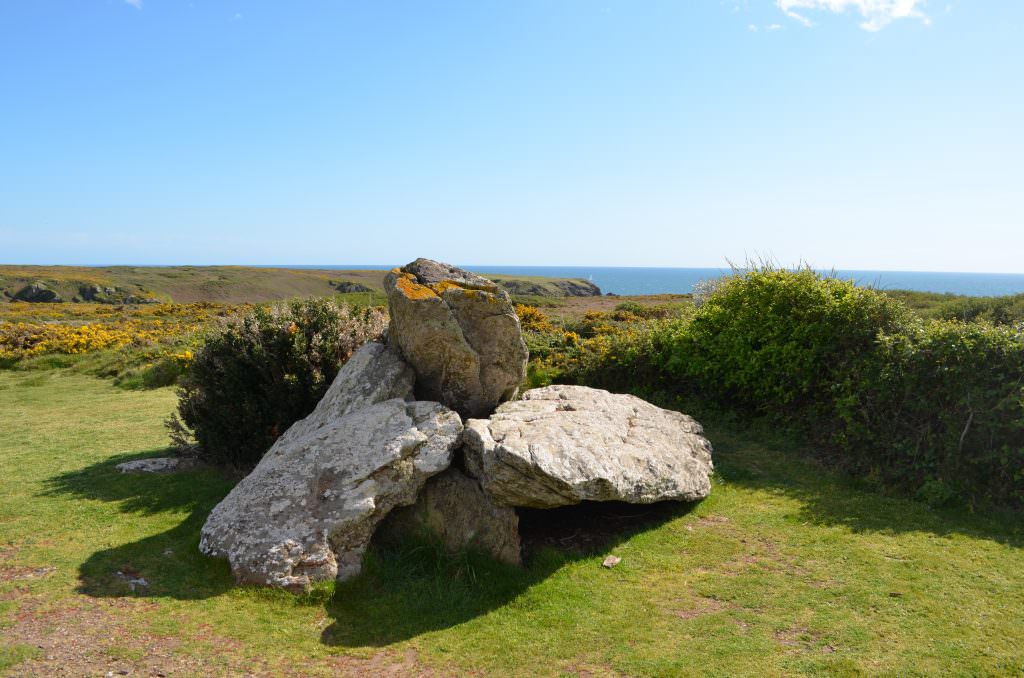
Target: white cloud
[[876, 14], [773, 27], [137, 4]]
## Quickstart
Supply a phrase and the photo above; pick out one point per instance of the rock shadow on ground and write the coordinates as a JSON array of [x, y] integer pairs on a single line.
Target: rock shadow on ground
[[405, 590], [416, 587], [170, 561]]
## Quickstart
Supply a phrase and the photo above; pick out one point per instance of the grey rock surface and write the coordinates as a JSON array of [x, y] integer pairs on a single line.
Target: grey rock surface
[[308, 509], [561, 445], [157, 465], [460, 334], [373, 374], [454, 508]]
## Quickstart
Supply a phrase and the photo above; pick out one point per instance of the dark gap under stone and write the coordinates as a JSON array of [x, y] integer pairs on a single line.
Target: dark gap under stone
[[591, 525]]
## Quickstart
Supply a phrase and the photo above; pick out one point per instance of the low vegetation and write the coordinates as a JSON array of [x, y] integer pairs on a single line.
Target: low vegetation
[[227, 284], [1006, 310], [137, 346]]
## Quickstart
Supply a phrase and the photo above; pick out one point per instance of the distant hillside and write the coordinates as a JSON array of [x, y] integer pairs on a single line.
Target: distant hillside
[[224, 284]]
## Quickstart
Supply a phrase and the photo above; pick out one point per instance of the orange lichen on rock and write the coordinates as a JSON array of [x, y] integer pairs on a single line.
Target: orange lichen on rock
[[408, 286], [444, 286]]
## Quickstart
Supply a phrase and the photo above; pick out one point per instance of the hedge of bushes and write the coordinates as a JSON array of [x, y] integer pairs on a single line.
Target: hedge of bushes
[[935, 408], [259, 374]]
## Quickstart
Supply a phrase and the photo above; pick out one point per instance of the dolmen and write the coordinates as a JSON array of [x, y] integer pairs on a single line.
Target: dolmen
[[430, 428]]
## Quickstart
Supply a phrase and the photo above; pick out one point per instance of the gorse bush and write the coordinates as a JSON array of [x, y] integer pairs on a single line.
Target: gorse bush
[[259, 374], [532, 319]]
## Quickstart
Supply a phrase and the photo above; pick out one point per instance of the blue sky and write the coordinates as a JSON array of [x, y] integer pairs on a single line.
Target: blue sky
[[871, 134]]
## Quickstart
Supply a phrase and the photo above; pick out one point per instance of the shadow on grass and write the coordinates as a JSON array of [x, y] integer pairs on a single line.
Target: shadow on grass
[[170, 562], [830, 498], [405, 590], [146, 493], [416, 587]]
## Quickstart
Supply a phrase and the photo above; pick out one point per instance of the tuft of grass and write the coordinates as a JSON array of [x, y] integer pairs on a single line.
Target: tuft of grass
[[12, 655]]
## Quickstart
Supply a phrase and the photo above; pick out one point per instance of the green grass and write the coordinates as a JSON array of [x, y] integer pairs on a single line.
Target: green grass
[[785, 569], [12, 655]]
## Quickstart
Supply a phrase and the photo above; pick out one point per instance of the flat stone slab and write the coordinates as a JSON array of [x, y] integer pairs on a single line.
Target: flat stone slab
[[562, 445], [157, 465]]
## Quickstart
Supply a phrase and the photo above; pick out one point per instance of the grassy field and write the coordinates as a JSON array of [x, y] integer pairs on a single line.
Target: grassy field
[[785, 569]]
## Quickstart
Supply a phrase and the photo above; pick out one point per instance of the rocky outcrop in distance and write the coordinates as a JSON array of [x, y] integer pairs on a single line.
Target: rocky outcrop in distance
[[37, 293], [548, 288]]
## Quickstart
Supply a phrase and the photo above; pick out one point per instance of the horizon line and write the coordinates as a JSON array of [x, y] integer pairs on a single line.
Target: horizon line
[[481, 267]]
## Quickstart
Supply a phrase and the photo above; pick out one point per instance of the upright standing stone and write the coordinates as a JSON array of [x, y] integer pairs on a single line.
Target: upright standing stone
[[459, 332]]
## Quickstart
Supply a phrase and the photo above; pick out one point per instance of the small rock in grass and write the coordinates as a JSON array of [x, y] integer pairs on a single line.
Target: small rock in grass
[[157, 465], [133, 581], [611, 561]]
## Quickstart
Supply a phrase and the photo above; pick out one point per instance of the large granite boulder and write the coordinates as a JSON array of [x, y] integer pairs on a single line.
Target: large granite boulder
[[309, 508], [562, 445], [455, 509], [459, 332]]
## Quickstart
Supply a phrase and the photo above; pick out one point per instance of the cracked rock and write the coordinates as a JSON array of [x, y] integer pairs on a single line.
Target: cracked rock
[[562, 445], [460, 334]]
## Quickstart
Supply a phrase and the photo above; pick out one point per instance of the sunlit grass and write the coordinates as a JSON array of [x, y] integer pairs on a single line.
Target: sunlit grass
[[785, 569]]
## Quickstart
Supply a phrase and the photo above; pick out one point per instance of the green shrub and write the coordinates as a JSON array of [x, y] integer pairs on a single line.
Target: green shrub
[[996, 310], [933, 408], [942, 409], [259, 374], [780, 342]]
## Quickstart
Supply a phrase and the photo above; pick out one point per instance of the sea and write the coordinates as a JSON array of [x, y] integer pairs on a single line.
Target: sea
[[633, 281]]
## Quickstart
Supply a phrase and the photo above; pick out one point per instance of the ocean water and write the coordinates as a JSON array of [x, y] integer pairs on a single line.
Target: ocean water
[[630, 281]]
